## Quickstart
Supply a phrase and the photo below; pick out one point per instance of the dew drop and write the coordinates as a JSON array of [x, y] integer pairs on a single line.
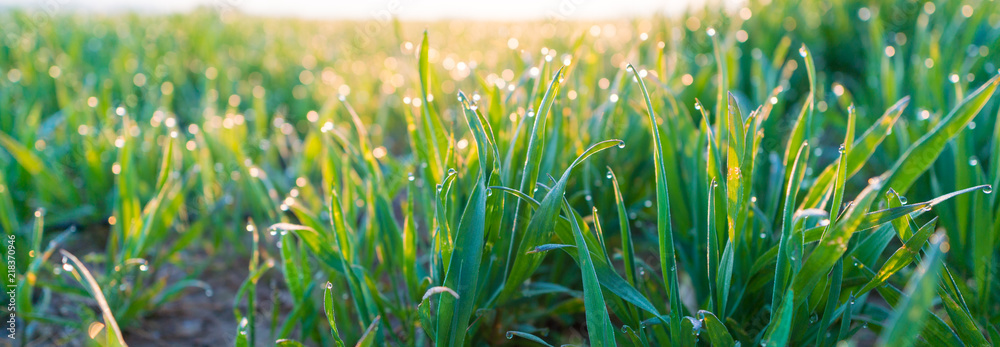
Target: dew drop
[[988, 189], [812, 319], [902, 200], [648, 203], [697, 106], [609, 174], [329, 285], [143, 267], [803, 52], [924, 115], [489, 191], [439, 186], [890, 193], [274, 232], [842, 149], [763, 235], [451, 172], [67, 267], [510, 335], [209, 293], [621, 144], [973, 161], [710, 31], [410, 177]]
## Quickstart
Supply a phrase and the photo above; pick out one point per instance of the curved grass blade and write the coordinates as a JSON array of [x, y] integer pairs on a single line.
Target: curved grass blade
[[529, 174], [511, 334], [114, 334], [902, 257], [834, 244], [542, 224], [919, 157], [606, 274], [665, 235], [845, 152], [370, 335], [463, 267], [628, 249], [599, 327], [718, 335], [713, 252], [832, 299], [936, 332], [859, 152], [910, 314], [874, 219], [331, 319], [549, 247], [780, 327], [782, 271]]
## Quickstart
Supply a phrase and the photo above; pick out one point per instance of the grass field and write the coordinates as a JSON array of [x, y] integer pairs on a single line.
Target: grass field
[[781, 174]]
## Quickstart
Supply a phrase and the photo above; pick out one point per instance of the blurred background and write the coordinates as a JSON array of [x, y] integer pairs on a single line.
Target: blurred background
[[401, 9]]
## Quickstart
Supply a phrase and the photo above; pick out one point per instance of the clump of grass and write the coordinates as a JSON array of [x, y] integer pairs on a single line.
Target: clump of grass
[[583, 196]]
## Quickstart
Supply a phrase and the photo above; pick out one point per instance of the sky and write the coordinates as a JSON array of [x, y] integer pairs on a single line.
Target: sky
[[402, 9]]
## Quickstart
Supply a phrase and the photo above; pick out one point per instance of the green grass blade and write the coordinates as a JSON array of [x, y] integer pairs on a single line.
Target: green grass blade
[[463, 268], [910, 314], [665, 235], [902, 257], [780, 327], [328, 305], [529, 177], [370, 336], [858, 154], [783, 270], [542, 224], [114, 333], [924, 151], [511, 334], [598, 323], [718, 335]]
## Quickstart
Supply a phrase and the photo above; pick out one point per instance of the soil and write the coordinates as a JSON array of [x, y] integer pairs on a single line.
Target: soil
[[192, 319]]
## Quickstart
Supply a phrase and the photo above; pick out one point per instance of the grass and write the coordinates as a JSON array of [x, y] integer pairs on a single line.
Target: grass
[[784, 174]]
